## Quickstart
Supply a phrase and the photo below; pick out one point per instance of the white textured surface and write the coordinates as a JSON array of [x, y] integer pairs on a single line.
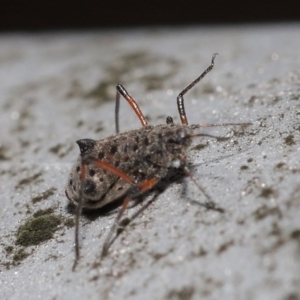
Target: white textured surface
[[174, 250]]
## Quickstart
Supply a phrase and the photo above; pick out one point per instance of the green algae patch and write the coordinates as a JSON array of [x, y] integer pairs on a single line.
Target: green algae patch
[[37, 230]]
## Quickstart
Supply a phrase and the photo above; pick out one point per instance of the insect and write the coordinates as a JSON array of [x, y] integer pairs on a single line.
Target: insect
[[127, 165]]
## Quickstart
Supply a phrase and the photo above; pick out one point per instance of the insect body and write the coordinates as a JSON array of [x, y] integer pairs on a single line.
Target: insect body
[[128, 164], [143, 154]]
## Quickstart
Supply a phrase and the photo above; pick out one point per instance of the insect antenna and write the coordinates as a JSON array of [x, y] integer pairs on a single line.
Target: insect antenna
[[180, 100], [219, 138], [196, 126]]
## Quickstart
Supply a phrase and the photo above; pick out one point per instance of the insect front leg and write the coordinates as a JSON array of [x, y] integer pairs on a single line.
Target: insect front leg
[[136, 187], [122, 91]]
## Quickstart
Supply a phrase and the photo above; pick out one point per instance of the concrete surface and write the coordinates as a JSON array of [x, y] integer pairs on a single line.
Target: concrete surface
[[57, 88]]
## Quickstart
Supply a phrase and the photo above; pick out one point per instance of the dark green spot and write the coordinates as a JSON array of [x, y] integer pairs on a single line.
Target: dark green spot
[[37, 230], [43, 212], [9, 249], [43, 196], [20, 255]]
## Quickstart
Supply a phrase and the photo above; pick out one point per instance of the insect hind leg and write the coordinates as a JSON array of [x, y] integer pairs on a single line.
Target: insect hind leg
[[209, 204]]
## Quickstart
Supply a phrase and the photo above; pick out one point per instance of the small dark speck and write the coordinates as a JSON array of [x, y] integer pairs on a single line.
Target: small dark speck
[[295, 234], [289, 140], [266, 192], [225, 246], [3, 153], [292, 296], [146, 141], [100, 155], [200, 146], [113, 149], [280, 165], [90, 187], [244, 167], [265, 211], [79, 123], [185, 293]]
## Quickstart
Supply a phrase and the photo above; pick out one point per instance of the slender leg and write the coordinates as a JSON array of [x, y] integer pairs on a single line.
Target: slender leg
[[134, 216], [141, 187], [122, 91], [78, 214], [180, 100], [144, 186], [117, 109]]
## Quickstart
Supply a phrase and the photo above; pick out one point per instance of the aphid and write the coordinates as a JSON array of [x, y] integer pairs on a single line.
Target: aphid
[[126, 165]]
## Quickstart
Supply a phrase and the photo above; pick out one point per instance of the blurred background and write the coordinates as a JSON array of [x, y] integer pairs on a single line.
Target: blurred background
[[18, 15]]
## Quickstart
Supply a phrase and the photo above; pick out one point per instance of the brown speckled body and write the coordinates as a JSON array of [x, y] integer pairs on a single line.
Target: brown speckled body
[[142, 154]]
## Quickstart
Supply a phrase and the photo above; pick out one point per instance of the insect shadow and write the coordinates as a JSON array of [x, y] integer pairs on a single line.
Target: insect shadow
[[174, 176], [126, 167]]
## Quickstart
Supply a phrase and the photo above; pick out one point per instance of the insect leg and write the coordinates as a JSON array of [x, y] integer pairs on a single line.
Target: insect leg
[[142, 187], [78, 214], [210, 204], [136, 214], [180, 100], [106, 166], [122, 91]]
